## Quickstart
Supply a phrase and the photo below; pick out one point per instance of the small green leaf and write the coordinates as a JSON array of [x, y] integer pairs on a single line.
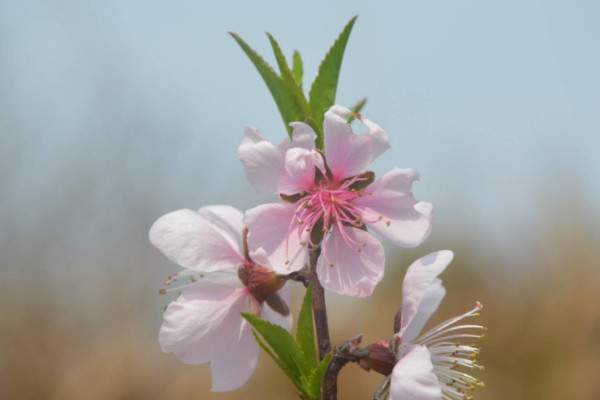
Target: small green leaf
[[299, 107], [317, 376], [291, 374], [272, 80], [359, 105], [305, 335], [356, 109], [324, 87], [297, 68], [289, 356]]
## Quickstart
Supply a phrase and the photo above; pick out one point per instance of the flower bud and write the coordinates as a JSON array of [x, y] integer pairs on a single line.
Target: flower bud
[[379, 358]]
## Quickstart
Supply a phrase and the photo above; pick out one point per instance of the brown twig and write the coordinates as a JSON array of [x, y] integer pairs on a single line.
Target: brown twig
[[347, 352], [319, 309]]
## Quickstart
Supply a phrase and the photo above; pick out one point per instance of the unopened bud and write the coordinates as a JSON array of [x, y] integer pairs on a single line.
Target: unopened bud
[[379, 358]]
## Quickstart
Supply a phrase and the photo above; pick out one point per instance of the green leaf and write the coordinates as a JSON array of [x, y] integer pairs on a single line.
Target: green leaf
[[305, 335], [359, 105], [356, 109], [284, 347], [272, 80], [324, 87], [317, 376], [297, 68], [300, 110], [291, 374]]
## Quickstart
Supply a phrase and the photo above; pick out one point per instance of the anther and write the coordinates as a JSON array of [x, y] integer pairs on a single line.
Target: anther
[[167, 283], [359, 249], [162, 291], [331, 264], [192, 278], [388, 223], [288, 261], [364, 245], [201, 275]]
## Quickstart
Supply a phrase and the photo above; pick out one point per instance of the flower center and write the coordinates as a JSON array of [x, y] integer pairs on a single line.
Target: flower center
[[330, 203]]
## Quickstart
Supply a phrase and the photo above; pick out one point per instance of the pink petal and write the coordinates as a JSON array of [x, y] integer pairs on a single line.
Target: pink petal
[[191, 240], [274, 228], [204, 325], [413, 377], [348, 153], [276, 318], [353, 273], [390, 199], [264, 163], [422, 292]]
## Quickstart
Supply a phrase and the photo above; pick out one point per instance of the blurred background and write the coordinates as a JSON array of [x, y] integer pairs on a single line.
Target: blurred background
[[114, 113]]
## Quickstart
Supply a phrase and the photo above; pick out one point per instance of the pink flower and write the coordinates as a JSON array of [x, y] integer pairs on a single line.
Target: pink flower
[[329, 200], [427, 365], [204, 324]]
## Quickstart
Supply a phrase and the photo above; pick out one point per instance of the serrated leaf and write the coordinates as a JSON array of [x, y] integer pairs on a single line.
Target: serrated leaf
[[316, 379], [273, 81], [299, 107], [284, 368], [297, 68], [324, 87], [305, 335], [289, 356], [356, 109]]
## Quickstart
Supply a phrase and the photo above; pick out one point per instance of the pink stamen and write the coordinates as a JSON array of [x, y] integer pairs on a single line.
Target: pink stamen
[[329, 202]]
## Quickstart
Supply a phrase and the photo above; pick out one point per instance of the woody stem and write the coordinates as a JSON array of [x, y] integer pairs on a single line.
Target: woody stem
[[319, 309]]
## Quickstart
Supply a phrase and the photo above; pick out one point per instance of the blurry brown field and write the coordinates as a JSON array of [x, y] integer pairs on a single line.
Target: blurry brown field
[[91, 333]]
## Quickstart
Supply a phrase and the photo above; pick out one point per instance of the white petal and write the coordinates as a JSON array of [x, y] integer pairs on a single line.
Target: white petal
[[302, 136], [347, 153], [390, 209], [193, 241], [235, 366], [204, 325], [264, 163], [353, 273], [413, 377], [227, 217], [422, 292], [276, 318], [429, 304], [300, 164], [274, 228]]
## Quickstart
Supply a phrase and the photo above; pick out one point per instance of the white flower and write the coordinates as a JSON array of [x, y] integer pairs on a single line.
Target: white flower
[[427, 365], [204, 323]]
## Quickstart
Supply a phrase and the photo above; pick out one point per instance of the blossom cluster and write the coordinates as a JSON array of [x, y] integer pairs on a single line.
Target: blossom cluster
[[241, 262]]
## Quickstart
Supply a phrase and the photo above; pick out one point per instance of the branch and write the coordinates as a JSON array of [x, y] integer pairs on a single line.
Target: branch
[[319, 309]]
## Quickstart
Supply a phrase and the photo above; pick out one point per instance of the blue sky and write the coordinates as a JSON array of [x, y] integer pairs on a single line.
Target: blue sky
[[110, 106]]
